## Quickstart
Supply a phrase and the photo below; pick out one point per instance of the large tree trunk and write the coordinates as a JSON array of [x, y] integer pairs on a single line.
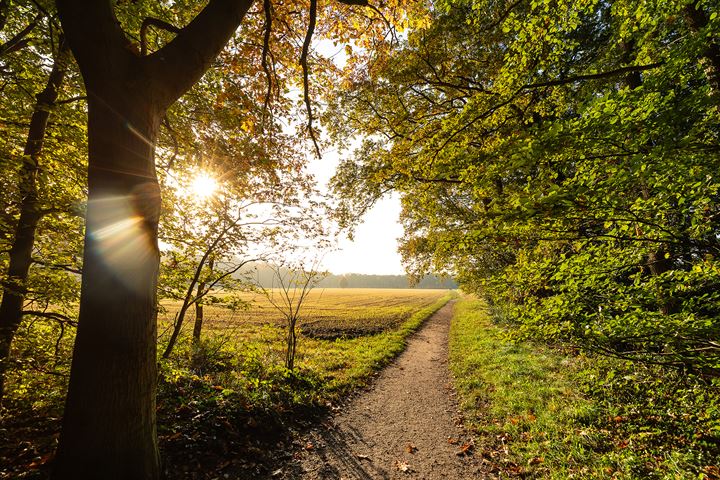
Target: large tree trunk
[[30, 214], [109, 429]]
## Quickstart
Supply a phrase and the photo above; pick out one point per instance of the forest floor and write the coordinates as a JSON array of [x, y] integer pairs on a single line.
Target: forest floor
[[405, 425]]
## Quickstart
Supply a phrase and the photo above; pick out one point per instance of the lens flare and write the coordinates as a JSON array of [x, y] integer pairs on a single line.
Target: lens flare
[[121, 239]]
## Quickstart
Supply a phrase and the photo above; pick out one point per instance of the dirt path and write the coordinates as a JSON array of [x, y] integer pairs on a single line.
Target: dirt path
[[405, 426]]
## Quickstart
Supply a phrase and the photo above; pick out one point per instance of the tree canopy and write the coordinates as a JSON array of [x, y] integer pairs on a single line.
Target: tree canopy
[[561, 158]]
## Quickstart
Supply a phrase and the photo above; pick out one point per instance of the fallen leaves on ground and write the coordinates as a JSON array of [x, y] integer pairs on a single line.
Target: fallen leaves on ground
[[403, 466], [466, 449]]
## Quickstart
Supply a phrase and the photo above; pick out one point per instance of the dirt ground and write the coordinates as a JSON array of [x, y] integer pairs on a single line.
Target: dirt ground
[[405, 426]]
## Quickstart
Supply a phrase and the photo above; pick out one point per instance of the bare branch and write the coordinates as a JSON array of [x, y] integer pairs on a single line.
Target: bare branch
[[79, 98], [4, 7], [304, 65], [592, 76], [52, 316]]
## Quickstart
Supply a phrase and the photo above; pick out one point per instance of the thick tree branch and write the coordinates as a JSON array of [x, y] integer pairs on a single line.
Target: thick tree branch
[[153, 22], [19, 40], [267, 8], [181, 62], [698, 20], [95, 37], [4, 8], [304, 65], [592, 76]]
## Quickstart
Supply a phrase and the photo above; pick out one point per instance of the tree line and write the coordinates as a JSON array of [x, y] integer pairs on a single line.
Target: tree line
[[561, 159]]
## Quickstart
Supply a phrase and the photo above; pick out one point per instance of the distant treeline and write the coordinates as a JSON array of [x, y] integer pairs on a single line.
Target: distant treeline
[[357, 280], [263, 276]]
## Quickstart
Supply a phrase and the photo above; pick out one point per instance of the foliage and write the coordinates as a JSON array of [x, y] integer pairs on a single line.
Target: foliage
[[561, 158], [42, 182]]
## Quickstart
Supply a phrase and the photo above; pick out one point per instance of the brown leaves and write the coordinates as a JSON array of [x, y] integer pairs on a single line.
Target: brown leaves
[[410, 448], [711, 472], [41, 461], [403, 466], [466, 449]]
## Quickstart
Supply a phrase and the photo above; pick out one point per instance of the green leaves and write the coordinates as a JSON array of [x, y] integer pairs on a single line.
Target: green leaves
[[564, 164]]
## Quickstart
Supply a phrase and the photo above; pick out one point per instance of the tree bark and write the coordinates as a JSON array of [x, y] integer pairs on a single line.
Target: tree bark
[[109, 426], [698, 19], [291, 344], [20, 257], [199, 313]]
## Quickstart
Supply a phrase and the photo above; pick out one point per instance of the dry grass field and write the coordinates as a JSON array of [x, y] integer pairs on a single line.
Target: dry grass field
[[327, 313], [346, 334]]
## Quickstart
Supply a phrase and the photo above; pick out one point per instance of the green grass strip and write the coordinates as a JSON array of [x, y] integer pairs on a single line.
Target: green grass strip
[[519, 400]]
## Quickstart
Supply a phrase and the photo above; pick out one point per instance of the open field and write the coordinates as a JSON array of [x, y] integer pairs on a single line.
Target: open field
[[346, 335], [327, 313], [237, 377]]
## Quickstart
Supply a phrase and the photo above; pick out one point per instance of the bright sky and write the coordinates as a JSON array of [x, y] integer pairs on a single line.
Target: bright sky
[[373, 249]]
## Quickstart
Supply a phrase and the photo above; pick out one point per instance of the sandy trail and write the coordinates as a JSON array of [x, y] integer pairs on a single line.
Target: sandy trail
[[405, 426]]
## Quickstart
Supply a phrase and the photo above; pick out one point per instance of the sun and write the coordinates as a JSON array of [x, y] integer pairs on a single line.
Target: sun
[[203, 186]]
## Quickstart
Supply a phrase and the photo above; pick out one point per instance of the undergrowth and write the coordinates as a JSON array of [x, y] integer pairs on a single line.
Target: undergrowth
[[538, 412]]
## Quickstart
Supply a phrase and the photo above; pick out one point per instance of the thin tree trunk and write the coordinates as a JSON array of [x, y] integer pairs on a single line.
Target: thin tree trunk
[[698, 19], [30, 214], [291, 344], [658, 261], [109, 428], [177, 327], [199, 317], [199, 313]]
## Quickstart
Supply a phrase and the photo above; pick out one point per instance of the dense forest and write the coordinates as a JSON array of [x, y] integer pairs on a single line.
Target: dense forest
[[557, 159]]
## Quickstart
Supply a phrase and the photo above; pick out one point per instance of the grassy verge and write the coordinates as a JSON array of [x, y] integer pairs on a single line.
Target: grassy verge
[[519, 400], [538, 413]]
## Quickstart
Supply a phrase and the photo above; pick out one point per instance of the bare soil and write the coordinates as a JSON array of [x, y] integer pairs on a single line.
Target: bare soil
[[406, 425]]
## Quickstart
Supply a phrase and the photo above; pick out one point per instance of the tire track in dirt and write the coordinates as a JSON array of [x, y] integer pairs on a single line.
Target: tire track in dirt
[[405, 426]]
